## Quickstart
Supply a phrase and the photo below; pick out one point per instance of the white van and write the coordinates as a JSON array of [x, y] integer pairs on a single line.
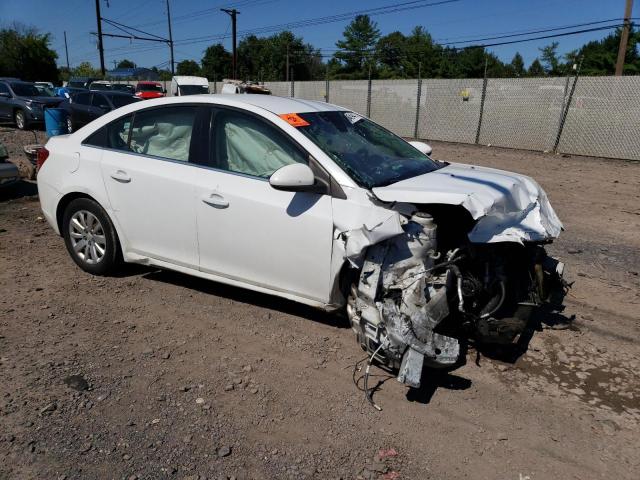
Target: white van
[[183, 85]]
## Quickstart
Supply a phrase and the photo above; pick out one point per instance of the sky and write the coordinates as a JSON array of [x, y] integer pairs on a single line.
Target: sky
[[195, 19]]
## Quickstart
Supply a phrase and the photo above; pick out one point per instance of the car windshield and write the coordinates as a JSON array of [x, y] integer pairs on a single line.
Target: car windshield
[[370, 154], [193, 89], [44, 91], [100, 86], [149, 87], [122, 100], [24, 90]]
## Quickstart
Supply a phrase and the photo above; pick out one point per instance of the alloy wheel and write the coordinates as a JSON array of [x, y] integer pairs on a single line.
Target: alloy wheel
[[20, 120], [87, 237]]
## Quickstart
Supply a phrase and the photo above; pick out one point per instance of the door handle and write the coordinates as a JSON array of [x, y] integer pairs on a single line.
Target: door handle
[[215, 200], [121, 176]]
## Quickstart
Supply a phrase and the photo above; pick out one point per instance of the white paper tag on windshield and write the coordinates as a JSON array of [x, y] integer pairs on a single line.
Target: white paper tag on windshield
[[353, 117]]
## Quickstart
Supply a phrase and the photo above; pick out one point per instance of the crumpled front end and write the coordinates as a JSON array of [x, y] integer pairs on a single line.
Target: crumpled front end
[[432, 276]]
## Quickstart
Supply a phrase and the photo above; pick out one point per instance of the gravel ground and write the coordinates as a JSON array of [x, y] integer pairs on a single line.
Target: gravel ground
[[152, 374]]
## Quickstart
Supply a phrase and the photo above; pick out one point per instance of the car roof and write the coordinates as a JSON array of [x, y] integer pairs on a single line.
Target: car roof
[[277, 105], [112, 93]]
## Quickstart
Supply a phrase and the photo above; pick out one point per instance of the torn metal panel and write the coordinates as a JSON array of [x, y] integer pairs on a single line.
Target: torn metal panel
[[359, 225], [507, 206]]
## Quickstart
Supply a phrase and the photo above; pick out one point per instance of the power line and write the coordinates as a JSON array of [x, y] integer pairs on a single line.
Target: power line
[[397, 7]]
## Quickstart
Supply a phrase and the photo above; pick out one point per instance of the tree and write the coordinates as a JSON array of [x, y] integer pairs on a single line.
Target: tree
[[517, 65], [85, 69], [188, 67], [216, 62], [356, 50], [599, 57], [25, 53], [550, 60], [265, 58], [125, 64], [536, 69]]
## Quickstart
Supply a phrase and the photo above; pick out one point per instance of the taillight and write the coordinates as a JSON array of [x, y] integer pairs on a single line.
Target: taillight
[[43, 154]]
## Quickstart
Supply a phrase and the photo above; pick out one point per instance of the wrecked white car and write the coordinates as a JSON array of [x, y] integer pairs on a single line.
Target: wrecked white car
[[314, 203]]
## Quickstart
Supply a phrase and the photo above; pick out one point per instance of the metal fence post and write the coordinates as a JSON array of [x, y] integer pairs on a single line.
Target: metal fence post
[[482, 98], [369, 94], [565, 113], [293, 87], [326, 85], [417, 124]]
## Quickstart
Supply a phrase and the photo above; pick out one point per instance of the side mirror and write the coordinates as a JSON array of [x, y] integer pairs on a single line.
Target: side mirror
[[422, 147], [297, 177]]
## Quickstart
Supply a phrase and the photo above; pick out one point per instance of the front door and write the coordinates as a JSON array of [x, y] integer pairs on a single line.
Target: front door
[[150, 183], [249, 231]]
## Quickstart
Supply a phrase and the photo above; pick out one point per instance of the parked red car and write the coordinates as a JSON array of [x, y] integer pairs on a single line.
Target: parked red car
[[150, 90]]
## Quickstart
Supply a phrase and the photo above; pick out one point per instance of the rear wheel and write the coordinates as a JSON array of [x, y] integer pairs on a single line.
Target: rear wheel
[[90, 237], [20, 120]]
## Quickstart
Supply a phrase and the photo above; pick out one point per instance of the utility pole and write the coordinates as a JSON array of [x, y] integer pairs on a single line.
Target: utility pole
[[624, 38], [170, 37], [100, 47], [287, 69], [234, 60], [66, 50]]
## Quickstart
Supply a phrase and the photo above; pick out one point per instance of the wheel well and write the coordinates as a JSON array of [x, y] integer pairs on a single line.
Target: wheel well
[[66, 200]]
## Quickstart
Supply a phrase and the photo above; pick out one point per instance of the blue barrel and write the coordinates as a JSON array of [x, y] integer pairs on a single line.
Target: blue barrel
[[55, 121]]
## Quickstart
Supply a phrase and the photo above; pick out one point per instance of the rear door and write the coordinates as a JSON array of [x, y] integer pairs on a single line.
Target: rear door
[[99, 106], [80, 109], [150, 182], [5, 101], [249, 231]]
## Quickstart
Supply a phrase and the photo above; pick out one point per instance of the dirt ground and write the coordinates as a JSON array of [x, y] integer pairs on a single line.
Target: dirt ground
[[192, 379]]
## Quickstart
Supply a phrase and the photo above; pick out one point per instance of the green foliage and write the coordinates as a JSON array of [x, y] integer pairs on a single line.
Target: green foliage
[[356, 49], [216, 63], [25, 54], [188, 67], [516, 67], [550, 60], [85, 69], [265, 59], [536, 69], [125, 64]]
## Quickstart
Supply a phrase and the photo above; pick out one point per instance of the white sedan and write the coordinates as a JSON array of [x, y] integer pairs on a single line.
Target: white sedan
[[311, 202]]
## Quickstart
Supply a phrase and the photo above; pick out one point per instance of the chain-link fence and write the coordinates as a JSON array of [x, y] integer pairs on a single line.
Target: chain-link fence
[[596, 116]]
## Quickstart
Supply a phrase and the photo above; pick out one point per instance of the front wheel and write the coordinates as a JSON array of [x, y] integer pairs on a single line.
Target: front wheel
[[20, 120], [90, 237]]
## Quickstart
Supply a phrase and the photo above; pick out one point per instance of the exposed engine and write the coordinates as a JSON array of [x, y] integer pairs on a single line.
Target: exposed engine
[[415, 302]]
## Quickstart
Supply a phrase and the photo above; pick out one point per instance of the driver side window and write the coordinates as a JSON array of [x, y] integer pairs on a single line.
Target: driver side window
[[250, 146]]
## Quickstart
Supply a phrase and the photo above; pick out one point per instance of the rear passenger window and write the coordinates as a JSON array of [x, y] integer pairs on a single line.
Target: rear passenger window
[[163, 132]]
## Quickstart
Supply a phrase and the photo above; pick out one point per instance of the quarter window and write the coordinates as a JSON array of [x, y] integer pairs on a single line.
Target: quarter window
[[163, 132], [245, 144]]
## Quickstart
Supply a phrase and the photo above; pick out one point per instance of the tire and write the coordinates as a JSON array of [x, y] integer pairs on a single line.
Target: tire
[[20, 119], [69, 124], [90, 237]]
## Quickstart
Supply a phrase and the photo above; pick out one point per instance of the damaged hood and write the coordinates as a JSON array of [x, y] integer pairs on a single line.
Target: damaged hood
[[507, 207]]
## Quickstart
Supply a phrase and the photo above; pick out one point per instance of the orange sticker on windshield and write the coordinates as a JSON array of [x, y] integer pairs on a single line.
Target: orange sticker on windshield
[[294, 119]]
